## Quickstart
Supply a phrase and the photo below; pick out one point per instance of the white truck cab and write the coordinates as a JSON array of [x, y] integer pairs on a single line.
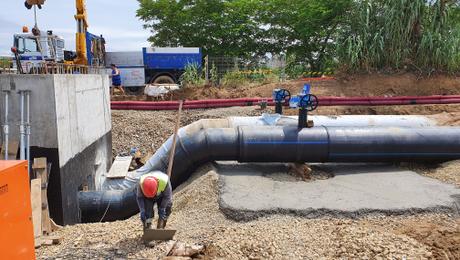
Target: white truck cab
[[33, 50]]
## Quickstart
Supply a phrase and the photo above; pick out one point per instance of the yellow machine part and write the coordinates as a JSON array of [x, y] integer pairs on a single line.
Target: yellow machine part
[[82, 57], [80, 37]]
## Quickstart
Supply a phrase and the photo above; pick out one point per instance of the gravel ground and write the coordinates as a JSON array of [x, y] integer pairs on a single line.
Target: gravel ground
[[197, 217], [147, 130]]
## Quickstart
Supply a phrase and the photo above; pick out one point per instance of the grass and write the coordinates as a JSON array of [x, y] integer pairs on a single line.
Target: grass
[[399, 35]]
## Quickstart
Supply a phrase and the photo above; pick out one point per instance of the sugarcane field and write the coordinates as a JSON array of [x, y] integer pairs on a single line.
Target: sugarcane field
[[230, 129]]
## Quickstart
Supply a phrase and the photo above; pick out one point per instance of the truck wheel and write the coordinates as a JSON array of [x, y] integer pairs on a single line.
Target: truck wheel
[[163, 80]]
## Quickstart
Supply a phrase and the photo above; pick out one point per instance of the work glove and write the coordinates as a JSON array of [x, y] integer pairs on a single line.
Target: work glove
[[147, 223]]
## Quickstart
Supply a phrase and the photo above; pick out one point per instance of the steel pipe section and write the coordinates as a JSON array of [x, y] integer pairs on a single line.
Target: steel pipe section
[[280, 144], [6, 126], [162, 154], [343, 120]]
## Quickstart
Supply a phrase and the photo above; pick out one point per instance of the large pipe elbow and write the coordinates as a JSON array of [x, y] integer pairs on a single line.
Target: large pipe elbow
[[108, 205]]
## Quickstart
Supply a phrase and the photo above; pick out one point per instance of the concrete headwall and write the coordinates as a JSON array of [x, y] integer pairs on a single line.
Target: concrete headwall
[[82, 112], [42, 107], [71, 126]]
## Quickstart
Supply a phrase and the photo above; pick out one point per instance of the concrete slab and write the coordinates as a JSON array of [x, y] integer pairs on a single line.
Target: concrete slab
[[248, 191]]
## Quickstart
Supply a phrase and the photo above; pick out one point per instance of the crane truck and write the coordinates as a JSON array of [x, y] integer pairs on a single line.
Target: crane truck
[[31, 49]]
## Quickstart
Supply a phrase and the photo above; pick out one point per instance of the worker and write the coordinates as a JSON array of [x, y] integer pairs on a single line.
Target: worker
[[154, 187], [116, 79]]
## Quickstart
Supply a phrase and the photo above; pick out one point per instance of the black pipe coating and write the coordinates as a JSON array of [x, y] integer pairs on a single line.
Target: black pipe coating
[[279, 144]]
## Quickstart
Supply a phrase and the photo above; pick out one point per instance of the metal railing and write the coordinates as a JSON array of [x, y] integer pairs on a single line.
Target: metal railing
[[48, 67]]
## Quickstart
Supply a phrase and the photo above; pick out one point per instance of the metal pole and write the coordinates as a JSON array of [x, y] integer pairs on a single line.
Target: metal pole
[[206, 69], [22, 152], [35, 16], [28, 130], [6, 127]]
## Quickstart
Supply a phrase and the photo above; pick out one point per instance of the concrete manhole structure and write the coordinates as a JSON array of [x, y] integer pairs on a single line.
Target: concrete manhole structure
[[246, 193]]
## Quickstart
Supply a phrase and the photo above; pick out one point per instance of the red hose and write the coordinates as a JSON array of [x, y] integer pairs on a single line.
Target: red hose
[[323, 101]]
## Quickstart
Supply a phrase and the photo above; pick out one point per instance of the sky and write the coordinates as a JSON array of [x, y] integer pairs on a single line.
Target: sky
[[115, 19]]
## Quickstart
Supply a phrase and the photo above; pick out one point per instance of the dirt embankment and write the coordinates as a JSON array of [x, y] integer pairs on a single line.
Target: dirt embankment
[[358, 85], [362, 85]]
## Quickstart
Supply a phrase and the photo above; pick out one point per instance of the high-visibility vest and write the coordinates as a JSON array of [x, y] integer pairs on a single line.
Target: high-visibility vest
[[160, 177]]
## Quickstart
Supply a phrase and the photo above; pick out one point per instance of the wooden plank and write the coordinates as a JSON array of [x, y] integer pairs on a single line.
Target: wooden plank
[[158, 234], [41, 171], [54, 226], [120, 167], [36, 201], [39, 163], [50, 240], [12, 150]]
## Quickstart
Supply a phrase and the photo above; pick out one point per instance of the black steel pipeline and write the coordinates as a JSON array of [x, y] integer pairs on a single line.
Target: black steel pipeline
[[108, 205], [280, 144]]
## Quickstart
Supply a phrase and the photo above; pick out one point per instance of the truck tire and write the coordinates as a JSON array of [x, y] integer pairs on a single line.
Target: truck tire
[[164, 79]]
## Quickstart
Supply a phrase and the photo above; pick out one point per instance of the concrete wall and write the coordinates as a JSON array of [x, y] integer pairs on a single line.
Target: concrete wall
[[82, 111], [42, 107], [71, 126]]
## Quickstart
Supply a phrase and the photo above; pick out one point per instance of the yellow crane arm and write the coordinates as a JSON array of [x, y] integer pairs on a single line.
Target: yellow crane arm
[[82, 26]]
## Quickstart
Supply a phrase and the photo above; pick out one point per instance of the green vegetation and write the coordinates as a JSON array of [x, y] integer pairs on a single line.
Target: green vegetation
[[400, 34], [192, 76], [315, 35]]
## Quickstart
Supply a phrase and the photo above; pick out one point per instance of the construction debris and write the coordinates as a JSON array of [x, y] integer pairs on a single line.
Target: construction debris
[[119, 167], [43, 224], [183, 249]]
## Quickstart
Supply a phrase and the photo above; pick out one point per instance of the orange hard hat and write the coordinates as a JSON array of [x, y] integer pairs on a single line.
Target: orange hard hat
[[150, 187]]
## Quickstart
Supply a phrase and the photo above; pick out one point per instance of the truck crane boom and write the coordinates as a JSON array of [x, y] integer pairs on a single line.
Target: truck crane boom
[[82, 28]]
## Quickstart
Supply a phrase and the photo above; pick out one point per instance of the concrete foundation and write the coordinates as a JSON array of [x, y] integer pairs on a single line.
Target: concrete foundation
[[71, 126], [248, 191]]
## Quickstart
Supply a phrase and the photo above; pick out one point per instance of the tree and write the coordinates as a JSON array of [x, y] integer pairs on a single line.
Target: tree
[[247, 27], [305, 29], [219, 27]]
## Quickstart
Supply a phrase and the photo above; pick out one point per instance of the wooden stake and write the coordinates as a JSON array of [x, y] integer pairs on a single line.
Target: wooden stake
[[173, 148], [36, 201], [41, 172]]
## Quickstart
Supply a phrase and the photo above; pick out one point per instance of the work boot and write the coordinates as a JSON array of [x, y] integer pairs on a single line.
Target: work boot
[[147, 223], [161, 223]]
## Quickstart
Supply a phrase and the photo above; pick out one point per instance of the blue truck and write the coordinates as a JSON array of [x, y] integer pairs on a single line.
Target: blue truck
[[153, 65]]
